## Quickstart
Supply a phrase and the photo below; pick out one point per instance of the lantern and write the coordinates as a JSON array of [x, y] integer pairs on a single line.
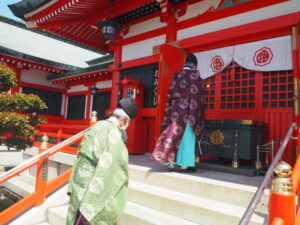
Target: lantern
[[109, 29]]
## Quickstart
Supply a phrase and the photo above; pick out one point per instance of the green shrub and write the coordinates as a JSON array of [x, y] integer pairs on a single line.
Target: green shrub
[[17, 130]]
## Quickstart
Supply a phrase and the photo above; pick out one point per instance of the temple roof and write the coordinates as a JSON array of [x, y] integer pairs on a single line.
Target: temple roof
[[26, 6], [7, 55], [78, 20], [97, 67], [92, 71], [100, 60], [17, 40]]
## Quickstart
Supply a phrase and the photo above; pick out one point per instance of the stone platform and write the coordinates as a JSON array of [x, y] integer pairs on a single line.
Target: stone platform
[[206, 169]]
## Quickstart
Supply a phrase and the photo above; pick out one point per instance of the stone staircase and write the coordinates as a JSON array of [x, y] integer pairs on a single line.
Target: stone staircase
[[160, 197]]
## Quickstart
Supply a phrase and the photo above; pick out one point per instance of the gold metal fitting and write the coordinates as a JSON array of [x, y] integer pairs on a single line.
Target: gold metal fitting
[[235, 161], [235, 164], [94, 116], [216, 137], [44, 144], [283, 169], [258, 165], [283, 184]]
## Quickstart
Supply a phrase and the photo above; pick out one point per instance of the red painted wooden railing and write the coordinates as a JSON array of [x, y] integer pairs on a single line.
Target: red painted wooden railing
[[282, 206], [42, 186], [59, 136], [285, 209]]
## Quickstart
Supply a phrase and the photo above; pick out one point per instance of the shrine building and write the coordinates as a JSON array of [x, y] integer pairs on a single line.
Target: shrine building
[[247, 51]]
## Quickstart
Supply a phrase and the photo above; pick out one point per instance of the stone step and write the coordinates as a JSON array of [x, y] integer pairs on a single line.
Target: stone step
[[188, 207], [58, 215], [193, 184], [43, 223], [135, 214], [39, 214], [26, 177], [19, 186], [155, 196]]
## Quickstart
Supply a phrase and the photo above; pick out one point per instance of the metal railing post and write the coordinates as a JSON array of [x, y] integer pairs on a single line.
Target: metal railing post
[[278, 221], [42, 174], [59, 133], [296, 170], [260, 190], [38, 197], [93, 118], [34, 160], [282, 200]]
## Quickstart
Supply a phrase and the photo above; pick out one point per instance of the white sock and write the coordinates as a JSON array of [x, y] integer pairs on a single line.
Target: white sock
[[184, 167], [171, 166]]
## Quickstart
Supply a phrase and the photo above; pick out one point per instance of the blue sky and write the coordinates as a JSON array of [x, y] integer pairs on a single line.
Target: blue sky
[[5, 11]]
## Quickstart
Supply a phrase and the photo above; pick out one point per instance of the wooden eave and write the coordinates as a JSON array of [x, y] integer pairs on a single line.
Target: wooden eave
[[77, 20], [21, 60]]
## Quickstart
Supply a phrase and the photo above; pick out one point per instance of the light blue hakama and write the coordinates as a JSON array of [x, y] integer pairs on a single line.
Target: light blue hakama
[[186, 150]]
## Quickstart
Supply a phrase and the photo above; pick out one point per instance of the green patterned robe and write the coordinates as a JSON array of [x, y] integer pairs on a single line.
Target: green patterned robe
[[99, 181]]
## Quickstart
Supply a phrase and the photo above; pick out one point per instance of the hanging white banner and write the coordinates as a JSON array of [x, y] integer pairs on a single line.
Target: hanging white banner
[[214, 61], [267, 55]]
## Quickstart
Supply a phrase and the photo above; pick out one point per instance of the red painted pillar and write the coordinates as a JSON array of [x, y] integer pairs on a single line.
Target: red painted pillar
[[16, 89], [296, 173], [296, 73], [88, 106], [170, 53], [59, 134], [282, 206], [277, 221], [42, 174], [169, 13], [282, 199], [172, 57], [296, 58], [171, 34], [116, 74]]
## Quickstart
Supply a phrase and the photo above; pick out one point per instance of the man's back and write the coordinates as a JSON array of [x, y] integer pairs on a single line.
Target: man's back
[[99, 181]]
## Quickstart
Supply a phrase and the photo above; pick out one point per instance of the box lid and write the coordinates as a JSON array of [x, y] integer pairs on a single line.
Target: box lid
[[236, 122]]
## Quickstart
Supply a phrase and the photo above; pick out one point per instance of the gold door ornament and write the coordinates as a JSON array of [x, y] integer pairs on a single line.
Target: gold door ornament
[[216, 137]]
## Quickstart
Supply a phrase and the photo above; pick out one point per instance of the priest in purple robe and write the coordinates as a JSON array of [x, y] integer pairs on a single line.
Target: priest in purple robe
[[184, 118]]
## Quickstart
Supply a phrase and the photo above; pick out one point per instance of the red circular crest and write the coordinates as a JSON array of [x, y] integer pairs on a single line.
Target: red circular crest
[[263, 56], [217, 63]]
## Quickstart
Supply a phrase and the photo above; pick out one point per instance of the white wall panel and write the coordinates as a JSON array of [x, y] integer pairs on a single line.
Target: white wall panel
[[241, 19], [199, 8], [145, 26], [104, 84], [38, 77], [77, 88], [142, 48]]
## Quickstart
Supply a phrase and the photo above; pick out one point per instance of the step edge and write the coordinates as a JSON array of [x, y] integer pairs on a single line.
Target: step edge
[[196, 201], [191, 178]]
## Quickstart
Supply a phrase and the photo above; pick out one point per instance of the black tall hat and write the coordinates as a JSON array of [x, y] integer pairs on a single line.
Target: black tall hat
[[129, 107], [192, 58]]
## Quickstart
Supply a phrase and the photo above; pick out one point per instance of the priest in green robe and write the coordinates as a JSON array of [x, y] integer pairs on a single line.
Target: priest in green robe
[[99, 181]]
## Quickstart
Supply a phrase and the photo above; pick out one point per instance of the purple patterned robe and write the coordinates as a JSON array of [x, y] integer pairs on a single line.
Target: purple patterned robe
[[186, 102]]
